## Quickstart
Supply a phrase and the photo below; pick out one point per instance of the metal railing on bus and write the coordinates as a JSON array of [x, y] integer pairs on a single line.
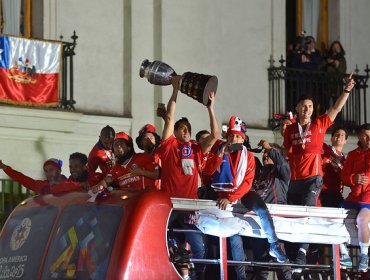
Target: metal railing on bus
[[329, 270]]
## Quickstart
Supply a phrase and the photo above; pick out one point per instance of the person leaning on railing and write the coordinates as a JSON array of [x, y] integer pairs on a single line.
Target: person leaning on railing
[[232, 171]]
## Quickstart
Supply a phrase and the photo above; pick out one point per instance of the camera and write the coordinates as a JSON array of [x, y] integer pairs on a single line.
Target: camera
[[303, 42], [235, 147]]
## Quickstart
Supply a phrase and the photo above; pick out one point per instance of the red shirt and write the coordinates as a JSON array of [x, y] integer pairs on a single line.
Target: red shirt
[[41, 186], [214, 162], [123, 178], [357, 162], [306, 162], [332, 165], [100, 157], [174, 181]]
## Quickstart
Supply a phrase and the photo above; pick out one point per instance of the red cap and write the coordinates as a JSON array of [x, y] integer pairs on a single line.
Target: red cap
[[236, 126], [124, 136], [148, 128], [54, 162]]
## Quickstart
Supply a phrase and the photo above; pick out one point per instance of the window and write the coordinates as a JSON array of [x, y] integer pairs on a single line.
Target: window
[[16, 17]]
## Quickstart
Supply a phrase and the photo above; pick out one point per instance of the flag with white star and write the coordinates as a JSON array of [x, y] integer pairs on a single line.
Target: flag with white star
[[29, 71]]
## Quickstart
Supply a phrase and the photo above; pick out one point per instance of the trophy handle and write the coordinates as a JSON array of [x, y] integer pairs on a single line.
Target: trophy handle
[[144, 65]]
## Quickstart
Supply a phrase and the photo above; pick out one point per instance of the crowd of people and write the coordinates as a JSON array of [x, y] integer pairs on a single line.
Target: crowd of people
[[302, 171], [303, 54]]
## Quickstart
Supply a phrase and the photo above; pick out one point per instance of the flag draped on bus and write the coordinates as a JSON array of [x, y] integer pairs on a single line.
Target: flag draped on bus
[[29, 71]]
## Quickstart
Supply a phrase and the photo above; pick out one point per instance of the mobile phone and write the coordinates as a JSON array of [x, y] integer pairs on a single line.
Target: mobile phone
[[161, 110], [161, 106], [235, 147]]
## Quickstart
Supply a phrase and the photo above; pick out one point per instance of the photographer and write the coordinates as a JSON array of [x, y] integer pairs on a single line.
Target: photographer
[[307, 57]]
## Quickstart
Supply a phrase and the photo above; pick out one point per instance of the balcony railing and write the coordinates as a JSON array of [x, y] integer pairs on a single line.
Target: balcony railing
[[286, 85], [66, 100]]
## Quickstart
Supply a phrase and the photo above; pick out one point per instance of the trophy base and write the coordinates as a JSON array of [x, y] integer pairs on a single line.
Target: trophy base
[[198, 86]]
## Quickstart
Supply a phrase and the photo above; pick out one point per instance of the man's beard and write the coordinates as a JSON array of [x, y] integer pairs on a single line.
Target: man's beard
[[122, 158], [149, 148], [83, 177]]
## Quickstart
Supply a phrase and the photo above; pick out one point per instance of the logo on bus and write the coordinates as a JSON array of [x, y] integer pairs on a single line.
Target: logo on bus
[[20, 234]]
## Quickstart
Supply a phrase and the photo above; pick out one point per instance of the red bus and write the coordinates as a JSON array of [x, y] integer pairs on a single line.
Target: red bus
[[120, 236]]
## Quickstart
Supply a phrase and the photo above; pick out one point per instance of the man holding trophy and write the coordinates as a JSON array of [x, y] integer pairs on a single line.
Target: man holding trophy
[[181, 157]]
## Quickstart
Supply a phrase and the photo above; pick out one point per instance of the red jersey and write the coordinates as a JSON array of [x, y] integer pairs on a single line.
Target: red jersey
[[123, 178], [100, 157], [332, 165], [180, 165], [305, 159], [357, 162], [41, 186], [234, 158]]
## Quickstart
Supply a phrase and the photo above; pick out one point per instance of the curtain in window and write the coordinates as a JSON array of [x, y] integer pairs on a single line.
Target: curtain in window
[[12, 17]]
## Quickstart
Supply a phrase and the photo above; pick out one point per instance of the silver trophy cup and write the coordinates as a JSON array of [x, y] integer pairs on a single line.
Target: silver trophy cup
[[194, 85]]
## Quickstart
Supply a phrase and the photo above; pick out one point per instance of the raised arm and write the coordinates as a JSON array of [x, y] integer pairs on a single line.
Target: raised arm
[[215, 130], [342, 99], [169, 119], [28, 182]]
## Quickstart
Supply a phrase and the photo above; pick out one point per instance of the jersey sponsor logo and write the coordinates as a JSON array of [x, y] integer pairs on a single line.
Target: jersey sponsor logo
[[129, 180]]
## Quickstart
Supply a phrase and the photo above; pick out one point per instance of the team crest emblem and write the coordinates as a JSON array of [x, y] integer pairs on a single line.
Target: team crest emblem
[[20, 234], [186, 151]]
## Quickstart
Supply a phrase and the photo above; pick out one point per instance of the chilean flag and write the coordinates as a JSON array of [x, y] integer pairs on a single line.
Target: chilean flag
[[29, 71]]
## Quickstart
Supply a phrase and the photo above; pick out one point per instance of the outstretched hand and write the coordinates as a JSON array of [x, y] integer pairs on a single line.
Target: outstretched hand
[[350, 83], [361, 179], [176, 82], [211, 98], [264, 145], [2, 165], [222, 203]]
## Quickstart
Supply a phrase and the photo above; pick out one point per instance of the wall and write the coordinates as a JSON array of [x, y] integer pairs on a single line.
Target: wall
[[232, 40], [98, 65], [30, 136]]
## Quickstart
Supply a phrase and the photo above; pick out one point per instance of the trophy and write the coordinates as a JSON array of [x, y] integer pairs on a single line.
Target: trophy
[[194, 85]]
